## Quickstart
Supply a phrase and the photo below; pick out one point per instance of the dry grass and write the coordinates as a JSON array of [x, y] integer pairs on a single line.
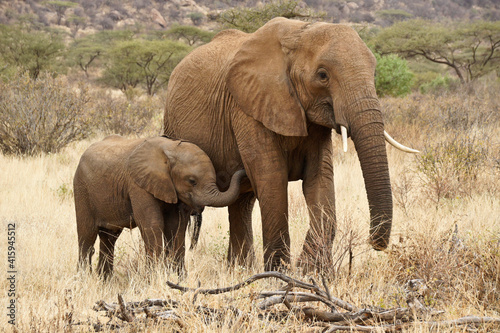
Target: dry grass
[[462, 279]]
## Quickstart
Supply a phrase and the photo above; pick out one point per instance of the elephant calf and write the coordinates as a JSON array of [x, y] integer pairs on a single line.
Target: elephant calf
[[154, 184]]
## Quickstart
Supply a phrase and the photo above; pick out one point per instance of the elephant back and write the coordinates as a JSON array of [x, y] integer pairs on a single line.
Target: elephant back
[[198, 101]]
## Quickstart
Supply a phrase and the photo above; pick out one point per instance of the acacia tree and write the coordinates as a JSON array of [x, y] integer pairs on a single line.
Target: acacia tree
[[142, 62], [471, 49], [30, 50], [251, 19], [60, 7], [85, 51], [190, 34]]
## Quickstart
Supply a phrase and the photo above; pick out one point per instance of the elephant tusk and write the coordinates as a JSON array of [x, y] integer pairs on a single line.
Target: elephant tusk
[[343, 130], [399, 146]]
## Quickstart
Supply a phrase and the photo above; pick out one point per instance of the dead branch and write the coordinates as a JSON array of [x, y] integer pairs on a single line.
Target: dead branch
[[431, 324], [354, 319], [126, 315], [278, 275], [295, 297], [354, 328], [291, 281], [279, 297], [327, 291], [463, 321]]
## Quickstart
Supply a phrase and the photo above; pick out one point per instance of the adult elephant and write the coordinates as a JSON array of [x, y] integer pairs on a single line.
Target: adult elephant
[[268, 101]]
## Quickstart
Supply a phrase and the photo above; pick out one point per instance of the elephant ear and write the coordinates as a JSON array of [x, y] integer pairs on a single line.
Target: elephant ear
[[259, 82], [150, 169]]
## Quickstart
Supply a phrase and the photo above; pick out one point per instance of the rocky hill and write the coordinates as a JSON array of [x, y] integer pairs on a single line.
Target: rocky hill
[[83, 16]]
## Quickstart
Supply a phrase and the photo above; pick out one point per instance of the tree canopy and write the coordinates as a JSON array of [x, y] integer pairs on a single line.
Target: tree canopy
[[251, 19], [60, 7], [84, 51], [142, 62], [471, 49], [190, 34], [30, 50]]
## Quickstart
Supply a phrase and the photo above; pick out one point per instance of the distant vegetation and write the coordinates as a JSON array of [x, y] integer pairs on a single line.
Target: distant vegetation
[[250, 19], [134, 46], [470, 49]]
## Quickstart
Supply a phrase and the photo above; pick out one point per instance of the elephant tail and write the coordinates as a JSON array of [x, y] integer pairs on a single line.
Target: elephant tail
[[194, 228]]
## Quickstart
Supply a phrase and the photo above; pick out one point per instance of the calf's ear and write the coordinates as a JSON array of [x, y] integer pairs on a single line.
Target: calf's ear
[[150, 169]]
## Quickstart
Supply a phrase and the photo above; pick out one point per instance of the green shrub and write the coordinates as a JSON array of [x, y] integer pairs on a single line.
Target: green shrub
[[394, 77], [196, 17], [440, 83], [41, 115]]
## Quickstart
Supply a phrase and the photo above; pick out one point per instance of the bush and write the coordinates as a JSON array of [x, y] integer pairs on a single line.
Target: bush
[[41, 115], [125, 117], [438, 84], [394, 77], [453, 267], [450, 169], [196, 17]]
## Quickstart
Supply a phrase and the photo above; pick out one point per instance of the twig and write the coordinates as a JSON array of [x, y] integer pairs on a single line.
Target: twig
[[327, 291]]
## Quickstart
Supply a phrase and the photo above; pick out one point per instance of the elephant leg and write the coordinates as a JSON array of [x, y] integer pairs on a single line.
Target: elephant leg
[[86, 231], [241, 249], [176, 221], [273, 203], [86, 239], [107, 251], [267, 169], [148, 216], [319, 193]]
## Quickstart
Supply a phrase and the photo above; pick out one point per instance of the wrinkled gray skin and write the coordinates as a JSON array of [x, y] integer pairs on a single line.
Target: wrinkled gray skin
[[154, 184], [268, 101]]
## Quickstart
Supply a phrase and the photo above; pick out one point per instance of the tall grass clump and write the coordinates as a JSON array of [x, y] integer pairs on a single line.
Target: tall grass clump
[[454, 267], [452, 168], [457, 132], [41, 115]]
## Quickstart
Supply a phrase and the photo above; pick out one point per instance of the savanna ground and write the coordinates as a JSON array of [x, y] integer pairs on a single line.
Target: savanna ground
[[453, 184]]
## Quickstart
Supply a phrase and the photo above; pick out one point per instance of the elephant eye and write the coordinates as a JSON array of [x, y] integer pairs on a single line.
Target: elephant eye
[[323, 75], [192, 181]]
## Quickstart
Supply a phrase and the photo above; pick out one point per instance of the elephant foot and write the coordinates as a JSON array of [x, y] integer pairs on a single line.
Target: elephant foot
[[277, 261]]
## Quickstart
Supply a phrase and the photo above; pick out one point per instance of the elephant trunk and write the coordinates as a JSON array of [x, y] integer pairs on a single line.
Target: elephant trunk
[[216, 198], [367, 133]]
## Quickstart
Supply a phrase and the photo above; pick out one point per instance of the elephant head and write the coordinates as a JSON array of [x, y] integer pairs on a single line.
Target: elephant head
[[173, 170], [298, 73]]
